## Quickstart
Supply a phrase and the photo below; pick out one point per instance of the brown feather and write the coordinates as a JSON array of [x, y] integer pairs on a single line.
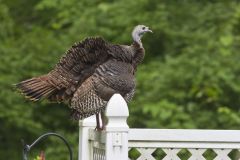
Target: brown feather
[[35, 88]]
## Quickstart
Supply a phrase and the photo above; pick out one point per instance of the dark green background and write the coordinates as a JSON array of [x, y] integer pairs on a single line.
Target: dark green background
[[190, 77]]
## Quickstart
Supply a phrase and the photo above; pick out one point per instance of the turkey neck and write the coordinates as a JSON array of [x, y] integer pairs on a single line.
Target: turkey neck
[[139, 53], [137, 45]]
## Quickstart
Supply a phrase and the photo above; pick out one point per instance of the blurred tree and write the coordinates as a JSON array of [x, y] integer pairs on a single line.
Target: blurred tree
[[189, 79]]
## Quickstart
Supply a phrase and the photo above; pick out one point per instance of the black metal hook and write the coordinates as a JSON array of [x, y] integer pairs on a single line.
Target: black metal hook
[[27, 148]]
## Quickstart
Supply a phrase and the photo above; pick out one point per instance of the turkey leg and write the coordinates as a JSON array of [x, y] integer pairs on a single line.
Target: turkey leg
[[103, 120], [98, 122]]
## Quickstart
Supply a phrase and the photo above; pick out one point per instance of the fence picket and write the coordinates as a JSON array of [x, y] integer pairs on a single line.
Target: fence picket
[[117, 140]]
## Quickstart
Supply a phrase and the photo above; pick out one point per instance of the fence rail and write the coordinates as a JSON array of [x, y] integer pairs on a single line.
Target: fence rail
[[118, 142]]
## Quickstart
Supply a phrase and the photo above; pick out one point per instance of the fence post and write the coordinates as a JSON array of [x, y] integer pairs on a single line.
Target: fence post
[[84, 149], [117, 129]]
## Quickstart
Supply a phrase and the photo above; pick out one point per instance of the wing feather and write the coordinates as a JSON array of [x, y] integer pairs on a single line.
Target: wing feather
[[79, 63]]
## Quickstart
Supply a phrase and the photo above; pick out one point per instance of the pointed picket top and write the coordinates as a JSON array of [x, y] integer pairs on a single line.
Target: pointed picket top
[[117, 113], [117, 106]]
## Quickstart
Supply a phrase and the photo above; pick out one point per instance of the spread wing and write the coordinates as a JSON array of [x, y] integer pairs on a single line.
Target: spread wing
[[76, 66], [79, 63]]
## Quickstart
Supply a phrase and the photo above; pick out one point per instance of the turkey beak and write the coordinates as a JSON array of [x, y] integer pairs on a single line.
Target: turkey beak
[[149, 30]]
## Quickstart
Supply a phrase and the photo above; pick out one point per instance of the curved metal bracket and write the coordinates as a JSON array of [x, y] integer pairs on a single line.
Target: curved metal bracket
[[27, 148]]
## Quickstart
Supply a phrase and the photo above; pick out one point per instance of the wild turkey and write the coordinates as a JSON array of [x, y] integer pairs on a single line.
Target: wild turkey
[[88, 74]]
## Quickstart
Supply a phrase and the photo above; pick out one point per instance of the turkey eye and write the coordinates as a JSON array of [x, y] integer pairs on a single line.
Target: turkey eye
[[143, 28]]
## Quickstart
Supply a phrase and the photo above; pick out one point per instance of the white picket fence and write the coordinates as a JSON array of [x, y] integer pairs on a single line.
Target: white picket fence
[[119, 142]]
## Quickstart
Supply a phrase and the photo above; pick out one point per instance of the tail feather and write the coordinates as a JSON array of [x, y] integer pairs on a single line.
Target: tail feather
[[36, 88], [39, 93]]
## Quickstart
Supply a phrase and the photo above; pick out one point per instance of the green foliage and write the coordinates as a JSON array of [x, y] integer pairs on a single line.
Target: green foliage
[[38, 158], [189, 79]]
